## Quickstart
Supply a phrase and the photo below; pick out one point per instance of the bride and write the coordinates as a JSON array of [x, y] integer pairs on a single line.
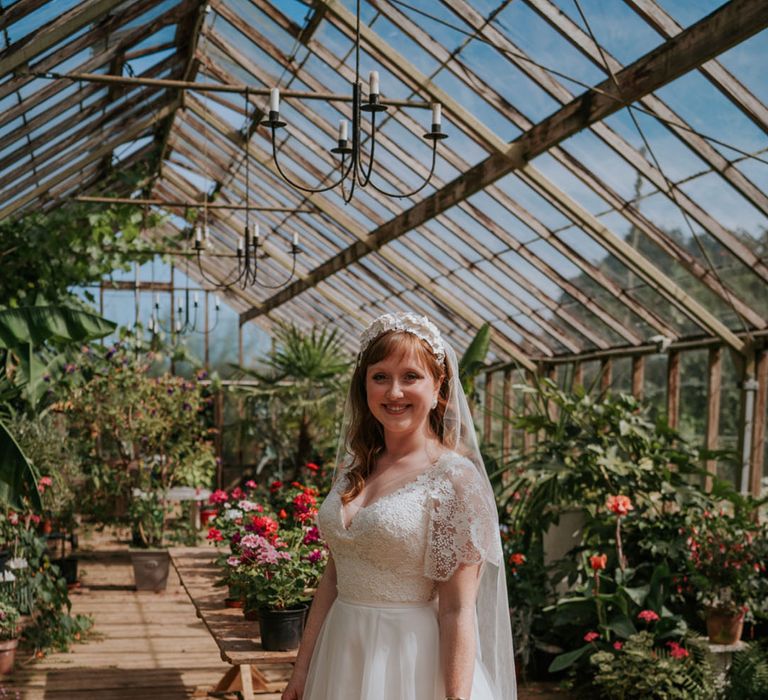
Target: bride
[[413, 602]]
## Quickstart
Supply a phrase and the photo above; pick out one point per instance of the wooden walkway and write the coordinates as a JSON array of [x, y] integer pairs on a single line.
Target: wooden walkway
[[144, 644]]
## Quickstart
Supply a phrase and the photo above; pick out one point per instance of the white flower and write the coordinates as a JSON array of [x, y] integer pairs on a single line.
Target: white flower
[[420, 326], [247, 506], [233, 514]]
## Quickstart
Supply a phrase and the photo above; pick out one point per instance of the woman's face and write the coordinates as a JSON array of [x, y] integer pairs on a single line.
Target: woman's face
[[400, 392]]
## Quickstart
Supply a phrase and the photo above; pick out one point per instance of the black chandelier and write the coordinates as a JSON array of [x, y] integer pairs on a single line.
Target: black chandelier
[[350, 157], [250, 248]]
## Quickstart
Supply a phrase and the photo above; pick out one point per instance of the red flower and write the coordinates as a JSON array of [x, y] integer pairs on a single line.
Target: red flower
[[218, 496], [237, 493], [265, 526], [676, 651], [591, 636], [215, 535], [275, 486], [251, 484], [618, 646], [598, 562], [282, 514], [312, 467], [647, 616], [517, 558], [620, 505]]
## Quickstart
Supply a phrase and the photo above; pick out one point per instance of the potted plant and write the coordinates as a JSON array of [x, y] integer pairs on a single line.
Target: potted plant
[[149, 432], [727, 564], [275, 559], [9, 636]]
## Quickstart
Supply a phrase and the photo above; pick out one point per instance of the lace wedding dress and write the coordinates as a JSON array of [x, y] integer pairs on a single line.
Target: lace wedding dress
[[380, 639]]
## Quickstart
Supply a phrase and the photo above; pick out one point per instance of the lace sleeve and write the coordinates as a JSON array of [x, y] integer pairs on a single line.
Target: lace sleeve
[[462, 521]]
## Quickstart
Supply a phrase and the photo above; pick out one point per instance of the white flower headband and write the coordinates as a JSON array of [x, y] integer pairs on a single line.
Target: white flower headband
[[420, 326]]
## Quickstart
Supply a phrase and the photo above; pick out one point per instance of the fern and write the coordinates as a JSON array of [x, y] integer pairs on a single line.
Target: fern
[[748, 674]]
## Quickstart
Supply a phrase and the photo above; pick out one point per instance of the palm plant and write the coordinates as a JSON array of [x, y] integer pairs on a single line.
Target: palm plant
[[299, 394]]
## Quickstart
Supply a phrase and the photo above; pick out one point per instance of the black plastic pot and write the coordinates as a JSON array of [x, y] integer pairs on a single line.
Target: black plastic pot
[[68, 568], [281, 629]]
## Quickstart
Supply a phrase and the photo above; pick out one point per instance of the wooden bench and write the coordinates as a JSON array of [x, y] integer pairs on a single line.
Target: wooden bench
[[237, 638]]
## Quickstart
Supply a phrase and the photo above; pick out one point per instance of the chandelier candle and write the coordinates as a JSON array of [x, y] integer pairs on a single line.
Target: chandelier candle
[[436, 114], [274, 100], [343, 131], [373, 83]]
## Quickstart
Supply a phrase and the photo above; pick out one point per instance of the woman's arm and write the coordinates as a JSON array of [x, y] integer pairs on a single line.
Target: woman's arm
[[456, 615], [324, 597]]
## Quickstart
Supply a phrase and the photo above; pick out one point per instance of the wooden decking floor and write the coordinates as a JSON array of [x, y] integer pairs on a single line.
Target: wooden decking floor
[[143, 645]]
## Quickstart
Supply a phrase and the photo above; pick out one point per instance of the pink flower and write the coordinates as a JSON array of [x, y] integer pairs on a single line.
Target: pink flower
[[45, 481], [233, 561], [218, 496], [312, 535], [647, 616], [260, 550], [315, 556], [618, 646], [591, 636], [251, 484], [676, 651], [620, 505]]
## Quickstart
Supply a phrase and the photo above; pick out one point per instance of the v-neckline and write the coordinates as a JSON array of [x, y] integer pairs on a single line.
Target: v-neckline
[[412, 482]]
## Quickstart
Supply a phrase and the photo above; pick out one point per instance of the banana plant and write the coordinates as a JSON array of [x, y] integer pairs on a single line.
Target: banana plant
[[24, 363]]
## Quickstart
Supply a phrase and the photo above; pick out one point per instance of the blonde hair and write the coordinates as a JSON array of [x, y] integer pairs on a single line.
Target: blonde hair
[[366, 435]]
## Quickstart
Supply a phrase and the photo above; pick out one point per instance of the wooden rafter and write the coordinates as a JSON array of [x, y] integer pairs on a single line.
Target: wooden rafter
[[601, 188], [705, 39], [713, 70]]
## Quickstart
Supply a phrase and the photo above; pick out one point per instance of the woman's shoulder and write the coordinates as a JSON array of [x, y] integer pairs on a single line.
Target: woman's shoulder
[[457, 469]]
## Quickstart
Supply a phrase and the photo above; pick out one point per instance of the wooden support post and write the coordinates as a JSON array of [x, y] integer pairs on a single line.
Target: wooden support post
[[606, 375], [673, 388], [240, 344], [506, 409], [529, 439], [206, 340], [218, 442], [638, 376], [714, 386], [551, 373], [578, 375], [488, 412], [758, 426]]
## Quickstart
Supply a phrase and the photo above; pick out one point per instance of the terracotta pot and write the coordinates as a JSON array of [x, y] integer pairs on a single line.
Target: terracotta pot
[[234, 603], [206, 514], [724, 626], [7, 655], [281, 629]]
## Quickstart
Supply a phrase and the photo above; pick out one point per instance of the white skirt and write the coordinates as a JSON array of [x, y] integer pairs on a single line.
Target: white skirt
[[382, 652]]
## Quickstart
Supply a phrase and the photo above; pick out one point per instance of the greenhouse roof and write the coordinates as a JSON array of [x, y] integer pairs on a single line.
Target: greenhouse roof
[[604, 180]]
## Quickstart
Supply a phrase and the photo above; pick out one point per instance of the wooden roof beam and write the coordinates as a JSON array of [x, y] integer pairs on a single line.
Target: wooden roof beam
[[725, 27], [573, 33], [713, 70], [627, 209], [35, 43], [632, 304], [131, 131]]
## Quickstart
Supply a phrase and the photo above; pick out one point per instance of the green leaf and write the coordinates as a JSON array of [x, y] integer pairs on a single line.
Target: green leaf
[[622, 627], [16, 473], [563, 661], [38, 324]]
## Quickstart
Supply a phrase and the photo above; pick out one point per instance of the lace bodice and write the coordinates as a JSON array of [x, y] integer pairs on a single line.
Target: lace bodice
[[399, 546]]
